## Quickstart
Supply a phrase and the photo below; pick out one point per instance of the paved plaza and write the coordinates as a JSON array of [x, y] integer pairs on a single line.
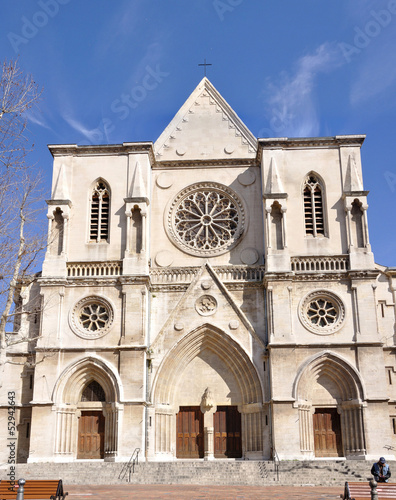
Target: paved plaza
[[192, 492]]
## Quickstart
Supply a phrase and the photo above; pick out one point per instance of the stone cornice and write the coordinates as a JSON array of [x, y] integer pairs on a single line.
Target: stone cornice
[[308, 142], [321, 345], [104, 149], [125, 347], [363, 274], [59, 202], [202, 164]]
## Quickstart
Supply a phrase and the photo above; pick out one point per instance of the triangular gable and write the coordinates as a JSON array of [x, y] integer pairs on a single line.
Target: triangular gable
[[206, 283], [205, 128]]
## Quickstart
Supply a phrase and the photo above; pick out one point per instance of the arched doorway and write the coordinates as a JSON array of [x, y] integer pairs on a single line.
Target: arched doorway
[[91, 423], [86, 396], [329, 395], [207, 393]]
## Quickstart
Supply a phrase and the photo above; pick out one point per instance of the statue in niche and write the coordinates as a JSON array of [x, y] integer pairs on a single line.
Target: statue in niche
[[207, 401]]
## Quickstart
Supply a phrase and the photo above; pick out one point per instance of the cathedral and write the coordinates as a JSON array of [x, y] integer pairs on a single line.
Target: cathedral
[[208, 296]]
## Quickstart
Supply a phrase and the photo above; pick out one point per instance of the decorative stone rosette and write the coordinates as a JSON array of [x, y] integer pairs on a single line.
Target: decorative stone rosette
[[91, 317], [206, 305], [206, 219], [322, 312]]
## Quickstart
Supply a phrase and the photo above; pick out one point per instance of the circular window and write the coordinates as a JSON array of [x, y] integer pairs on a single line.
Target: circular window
[[322, 312], [206, 219], [91, 317]]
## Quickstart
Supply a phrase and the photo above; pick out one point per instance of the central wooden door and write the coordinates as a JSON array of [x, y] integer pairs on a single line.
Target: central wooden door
[[227, 432], [190, 436], [91, 428], [327, 433]]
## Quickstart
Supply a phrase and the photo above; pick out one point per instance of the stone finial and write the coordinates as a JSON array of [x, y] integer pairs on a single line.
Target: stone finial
[[207, 401], [61, 191], [274, 183], [352, 180], [138, 189]]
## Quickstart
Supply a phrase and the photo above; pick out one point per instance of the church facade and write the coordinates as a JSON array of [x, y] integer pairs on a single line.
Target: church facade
[[207, 296]]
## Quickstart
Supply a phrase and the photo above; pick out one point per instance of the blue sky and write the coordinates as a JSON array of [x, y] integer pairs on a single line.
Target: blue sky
[[117, 71]]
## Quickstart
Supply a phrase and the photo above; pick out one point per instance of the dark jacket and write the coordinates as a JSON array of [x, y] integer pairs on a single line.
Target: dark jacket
[[376, 470]]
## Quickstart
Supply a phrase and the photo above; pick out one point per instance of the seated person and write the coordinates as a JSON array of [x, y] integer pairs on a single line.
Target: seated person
[[381, 471]]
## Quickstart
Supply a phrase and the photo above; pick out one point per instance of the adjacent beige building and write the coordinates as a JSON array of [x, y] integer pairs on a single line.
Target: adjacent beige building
[[210, 295]]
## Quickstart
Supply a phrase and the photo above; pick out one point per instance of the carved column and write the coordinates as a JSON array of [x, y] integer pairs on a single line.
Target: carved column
[[50, 218], [365, 227], [111, 431], [252, 430], [305, 420], [128, 214], [144, 230], [163, 429], [268, 225], [352, 428], [283, 222], [64, 431], [348, 210]]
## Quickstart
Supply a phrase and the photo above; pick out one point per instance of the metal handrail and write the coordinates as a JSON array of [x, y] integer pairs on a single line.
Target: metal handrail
[[130, 466], [276, 461]]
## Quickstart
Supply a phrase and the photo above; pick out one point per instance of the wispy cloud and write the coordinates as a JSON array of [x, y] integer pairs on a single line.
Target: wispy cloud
[[38, 119], [120, 29], [90, 134], [292, 109]]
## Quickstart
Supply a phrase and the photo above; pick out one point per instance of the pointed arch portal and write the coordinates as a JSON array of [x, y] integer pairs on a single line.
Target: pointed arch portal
[[329, 393], [87, 424], [226, 371]]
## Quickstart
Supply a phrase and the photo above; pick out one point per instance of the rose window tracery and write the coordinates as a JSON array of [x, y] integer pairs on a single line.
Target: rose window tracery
[[206, 219], [91, 317], [322, 312], [94, 317]]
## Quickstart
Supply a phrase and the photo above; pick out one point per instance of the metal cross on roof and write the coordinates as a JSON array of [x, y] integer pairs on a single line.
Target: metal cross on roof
[[204, 64]]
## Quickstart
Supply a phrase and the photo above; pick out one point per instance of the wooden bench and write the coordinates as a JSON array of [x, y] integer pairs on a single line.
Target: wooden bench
[[34, 490], [362, 491]]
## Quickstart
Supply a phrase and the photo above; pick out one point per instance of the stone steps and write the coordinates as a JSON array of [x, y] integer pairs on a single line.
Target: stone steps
[[227, 472]]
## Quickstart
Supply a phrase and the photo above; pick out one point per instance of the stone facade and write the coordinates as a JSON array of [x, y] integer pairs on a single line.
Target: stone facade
[[211, 295]]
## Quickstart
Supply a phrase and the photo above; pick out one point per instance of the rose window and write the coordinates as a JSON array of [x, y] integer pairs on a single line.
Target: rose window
[[92, 317], [206, 219], [322, 312]]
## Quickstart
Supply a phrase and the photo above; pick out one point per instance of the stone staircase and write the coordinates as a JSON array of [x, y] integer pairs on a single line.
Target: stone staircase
[[219, 472]]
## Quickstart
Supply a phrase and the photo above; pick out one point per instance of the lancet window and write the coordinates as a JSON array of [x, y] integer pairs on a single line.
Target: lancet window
[[313, 206], [100, 207], [93, 392]]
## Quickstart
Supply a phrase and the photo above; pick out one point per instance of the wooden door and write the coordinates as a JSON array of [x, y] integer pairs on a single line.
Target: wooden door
[[227, 432], [190, 436], [327, 433], [91, 427]]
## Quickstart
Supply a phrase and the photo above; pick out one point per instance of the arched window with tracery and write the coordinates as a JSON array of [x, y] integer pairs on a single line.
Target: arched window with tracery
[[313, 206], [100, 208], [93, 392]]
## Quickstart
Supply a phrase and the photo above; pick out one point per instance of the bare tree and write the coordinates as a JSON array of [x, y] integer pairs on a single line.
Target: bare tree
[[21, 241]]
